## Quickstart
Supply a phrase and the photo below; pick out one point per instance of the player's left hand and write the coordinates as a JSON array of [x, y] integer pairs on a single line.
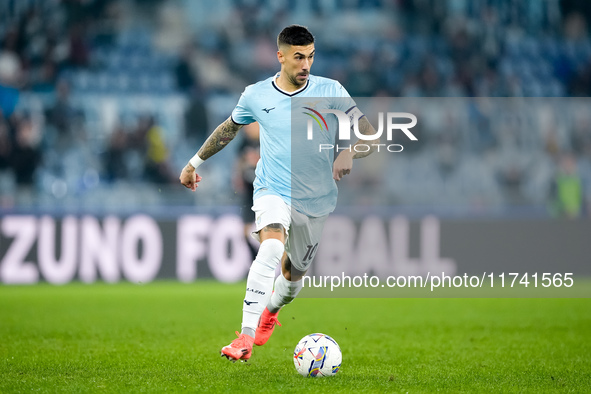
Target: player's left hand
[[342, 165]]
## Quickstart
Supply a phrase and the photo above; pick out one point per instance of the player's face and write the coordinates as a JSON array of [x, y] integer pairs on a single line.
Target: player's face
[[296, 61]]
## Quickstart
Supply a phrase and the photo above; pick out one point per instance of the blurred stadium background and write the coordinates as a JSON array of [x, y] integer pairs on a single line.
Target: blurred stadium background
[[103, 101]]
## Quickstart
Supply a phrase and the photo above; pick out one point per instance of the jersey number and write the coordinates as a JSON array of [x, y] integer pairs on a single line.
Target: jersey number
[[310, 253]]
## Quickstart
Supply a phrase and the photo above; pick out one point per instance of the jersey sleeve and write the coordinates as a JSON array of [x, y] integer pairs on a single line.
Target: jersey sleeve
[[242, 113], [344, 102]]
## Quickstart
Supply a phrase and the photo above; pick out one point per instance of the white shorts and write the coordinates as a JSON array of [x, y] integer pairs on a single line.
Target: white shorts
[[303, 233]]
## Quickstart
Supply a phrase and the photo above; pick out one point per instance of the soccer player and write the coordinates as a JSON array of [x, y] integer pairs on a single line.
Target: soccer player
[[289, 227]]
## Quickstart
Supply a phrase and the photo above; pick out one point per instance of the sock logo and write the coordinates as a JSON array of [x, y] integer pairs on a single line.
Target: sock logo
[[250, 302]]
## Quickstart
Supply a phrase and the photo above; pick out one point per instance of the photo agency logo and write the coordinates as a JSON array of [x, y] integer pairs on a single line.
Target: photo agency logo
[[349, 120]]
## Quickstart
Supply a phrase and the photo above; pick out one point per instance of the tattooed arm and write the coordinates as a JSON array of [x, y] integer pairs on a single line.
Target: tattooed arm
[[344, 162], [220, 137]]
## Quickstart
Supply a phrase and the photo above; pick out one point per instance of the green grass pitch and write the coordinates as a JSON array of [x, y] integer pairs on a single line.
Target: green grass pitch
[[166, 336]]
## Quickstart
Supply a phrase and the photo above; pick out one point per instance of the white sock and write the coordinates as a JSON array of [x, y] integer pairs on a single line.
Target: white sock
[[259, 284], [285, 292]]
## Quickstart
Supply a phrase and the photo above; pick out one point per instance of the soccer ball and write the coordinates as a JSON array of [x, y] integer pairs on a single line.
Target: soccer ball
[[317, 355]]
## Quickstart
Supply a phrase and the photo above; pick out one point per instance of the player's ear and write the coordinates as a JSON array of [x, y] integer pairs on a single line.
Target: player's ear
[[280, 56]]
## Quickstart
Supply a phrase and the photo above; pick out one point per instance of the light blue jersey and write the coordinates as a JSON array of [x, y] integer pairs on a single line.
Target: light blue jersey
[[308, 186]]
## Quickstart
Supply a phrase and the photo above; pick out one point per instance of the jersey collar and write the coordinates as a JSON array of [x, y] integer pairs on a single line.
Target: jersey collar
[[290, 94]]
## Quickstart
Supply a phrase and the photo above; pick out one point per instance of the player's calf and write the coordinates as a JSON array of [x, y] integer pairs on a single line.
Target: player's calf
[[285, 292], [259, 283]]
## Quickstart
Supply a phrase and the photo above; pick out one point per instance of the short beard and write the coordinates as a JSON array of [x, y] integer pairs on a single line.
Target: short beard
[[295, 82]]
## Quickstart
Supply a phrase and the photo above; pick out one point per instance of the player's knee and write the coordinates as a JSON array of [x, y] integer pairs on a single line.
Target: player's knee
[[274, 227], [270, 253], [273, 230]]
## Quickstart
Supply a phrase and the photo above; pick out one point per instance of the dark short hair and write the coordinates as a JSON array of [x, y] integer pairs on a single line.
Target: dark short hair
[[295, 35]]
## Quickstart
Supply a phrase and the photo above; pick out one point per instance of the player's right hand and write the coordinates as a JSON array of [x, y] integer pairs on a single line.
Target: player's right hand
[[189, 178]]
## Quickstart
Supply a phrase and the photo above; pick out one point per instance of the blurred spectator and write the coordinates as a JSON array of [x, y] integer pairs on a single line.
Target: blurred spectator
[[8, 99], [567, 189], [6, 178], [114, 159], [575, 26], [156, 160], [79, 51], [10, 68], [580, 84], [581, 135], [582, 7], [185, 78], [365, 82], [5, 145], [25, 158], [61, 116], [196, 119], [10, 73]]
